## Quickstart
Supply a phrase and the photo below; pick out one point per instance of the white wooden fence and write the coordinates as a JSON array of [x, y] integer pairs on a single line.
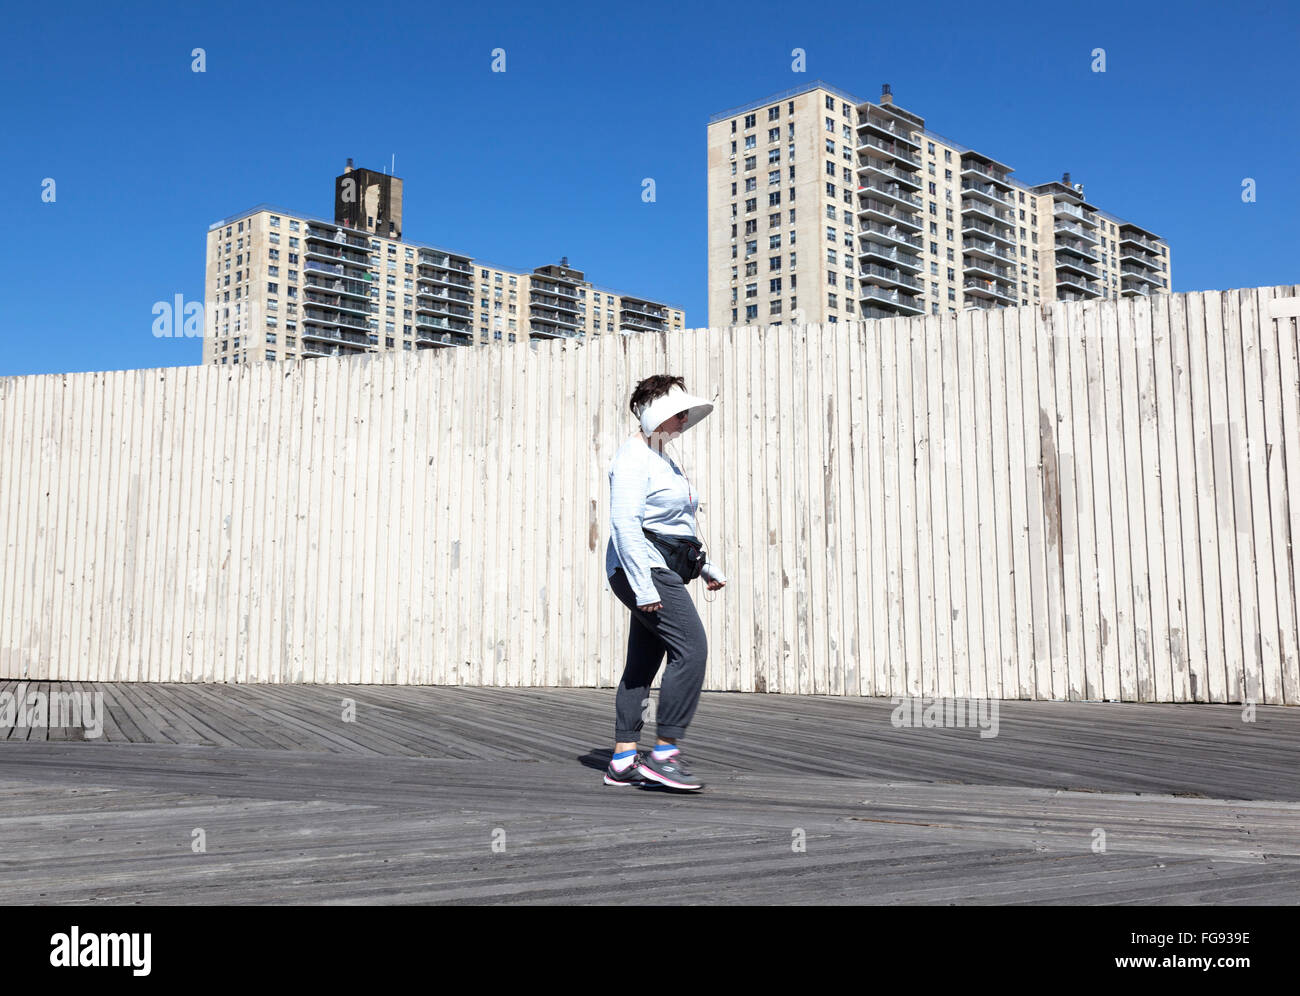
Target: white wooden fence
[[1088, 501]]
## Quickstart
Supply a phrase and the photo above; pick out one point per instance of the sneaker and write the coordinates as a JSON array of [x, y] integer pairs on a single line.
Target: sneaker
[[631, 775], [671, 772]]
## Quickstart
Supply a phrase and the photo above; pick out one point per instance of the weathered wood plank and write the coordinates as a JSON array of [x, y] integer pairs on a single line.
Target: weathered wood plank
[[936, 673], [955, 424], [1273, 335]]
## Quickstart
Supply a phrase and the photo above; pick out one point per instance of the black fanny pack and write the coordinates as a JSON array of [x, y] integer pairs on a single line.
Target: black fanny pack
[[683, 555]]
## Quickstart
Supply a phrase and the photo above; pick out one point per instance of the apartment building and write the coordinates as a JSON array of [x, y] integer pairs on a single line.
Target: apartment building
[[282, 286], [824, 208]]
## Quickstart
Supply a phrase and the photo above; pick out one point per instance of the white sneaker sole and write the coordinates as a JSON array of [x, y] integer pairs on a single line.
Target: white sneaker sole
[[611, 781], [662, 780]]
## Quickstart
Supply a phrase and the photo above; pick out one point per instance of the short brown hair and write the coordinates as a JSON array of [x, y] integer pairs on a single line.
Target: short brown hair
[[652, 387]]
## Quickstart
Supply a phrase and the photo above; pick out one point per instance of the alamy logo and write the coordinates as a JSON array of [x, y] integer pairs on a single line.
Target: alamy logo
[[77, 950], [58, 710], [924, 713]]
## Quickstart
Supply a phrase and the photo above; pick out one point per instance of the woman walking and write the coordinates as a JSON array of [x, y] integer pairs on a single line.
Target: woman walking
[[652, 554]]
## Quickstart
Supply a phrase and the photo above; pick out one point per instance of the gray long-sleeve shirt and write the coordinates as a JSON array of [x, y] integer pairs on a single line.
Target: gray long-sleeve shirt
[[646, 491]]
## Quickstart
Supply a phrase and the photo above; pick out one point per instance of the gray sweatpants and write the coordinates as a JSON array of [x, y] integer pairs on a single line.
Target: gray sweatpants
[[675, 629]]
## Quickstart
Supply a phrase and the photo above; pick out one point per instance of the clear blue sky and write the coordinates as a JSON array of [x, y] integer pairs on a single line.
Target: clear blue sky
[[547, 158]]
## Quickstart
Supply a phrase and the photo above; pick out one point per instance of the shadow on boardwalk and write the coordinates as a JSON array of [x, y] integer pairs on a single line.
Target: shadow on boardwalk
[[809, 800]]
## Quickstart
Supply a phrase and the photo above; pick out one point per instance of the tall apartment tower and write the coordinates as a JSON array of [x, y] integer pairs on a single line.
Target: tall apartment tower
[[366, 201], [283, 286], [824, 208]]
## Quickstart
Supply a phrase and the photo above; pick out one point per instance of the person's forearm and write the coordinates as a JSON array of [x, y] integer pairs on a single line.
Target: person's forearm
[[633, 551]]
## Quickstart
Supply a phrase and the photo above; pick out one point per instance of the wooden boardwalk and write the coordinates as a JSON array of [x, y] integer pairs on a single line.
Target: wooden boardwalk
[[404, 804]]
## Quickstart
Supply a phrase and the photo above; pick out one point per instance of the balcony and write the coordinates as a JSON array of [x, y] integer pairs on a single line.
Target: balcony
[[440, 293], [443, 278], [990, 212], [545, 315], [549, 332], [1130, 288], [1139, 256], [1071, 283], [904, 303], [1078, 230], [889, 255], [336, 269], [876, 314], [994, 193], [318, 234], [884, 169], [442, 261], [986, 247], [314, 265], [889, 235], [546, 285], [891, 129], [974, 169], [442, 339], [988, 289], [438, 329], [340, 321], [1064, 209], [892, 192], [643, 307], [889, 150], [998, 233], [987, 269], [641, 323], [1139, 240], [334, 303], [442, 324], [434, 307], [1065, 262], [326, 252], [1141, 274], [869, 207], [358, 343], [310, 352], [888, 277], [335, 255], [1080, 249], [554, 302]]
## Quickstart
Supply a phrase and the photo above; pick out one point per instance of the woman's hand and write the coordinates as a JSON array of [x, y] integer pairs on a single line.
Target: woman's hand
[[714, 585], [652, 607]]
